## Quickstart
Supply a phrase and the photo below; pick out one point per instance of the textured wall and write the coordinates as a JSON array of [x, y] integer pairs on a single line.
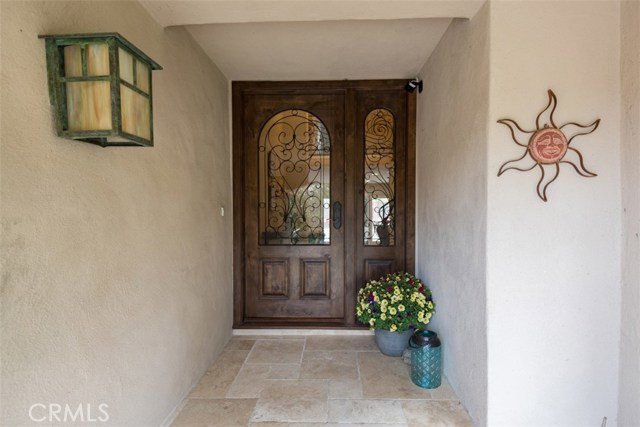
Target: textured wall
[[116, 273], [451, 208], [553, 269], [630, 326]]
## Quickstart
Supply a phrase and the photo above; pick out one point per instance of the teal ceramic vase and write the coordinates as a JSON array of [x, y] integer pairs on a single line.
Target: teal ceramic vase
[[426, 359]]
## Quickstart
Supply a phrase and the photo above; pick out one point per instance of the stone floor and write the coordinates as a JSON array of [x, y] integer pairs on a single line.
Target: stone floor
[[314, 381]]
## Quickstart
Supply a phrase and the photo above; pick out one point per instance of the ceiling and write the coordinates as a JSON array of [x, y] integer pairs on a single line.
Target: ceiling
[[315, 39]]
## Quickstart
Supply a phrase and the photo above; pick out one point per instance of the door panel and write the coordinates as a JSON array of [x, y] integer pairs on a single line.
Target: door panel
[[320, 197], [294, 172]]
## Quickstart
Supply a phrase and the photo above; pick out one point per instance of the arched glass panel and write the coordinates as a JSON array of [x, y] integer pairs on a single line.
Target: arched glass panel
[[294, 157], [379, 178]]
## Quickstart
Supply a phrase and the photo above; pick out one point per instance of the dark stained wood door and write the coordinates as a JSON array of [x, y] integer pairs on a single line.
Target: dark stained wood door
[[323, 197]]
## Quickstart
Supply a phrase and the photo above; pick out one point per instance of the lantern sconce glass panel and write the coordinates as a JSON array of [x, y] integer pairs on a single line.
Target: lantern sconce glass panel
[[100, 86]]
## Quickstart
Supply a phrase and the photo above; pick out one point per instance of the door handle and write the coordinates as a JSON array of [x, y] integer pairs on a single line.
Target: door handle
[[337, 215]]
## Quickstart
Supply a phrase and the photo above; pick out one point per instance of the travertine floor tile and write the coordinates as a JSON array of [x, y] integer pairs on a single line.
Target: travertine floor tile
[[385, 377], [284, 372], [366, 425], [292, 400], [301, 410], [239, 343], [215, 412], [366, 411], [315, 381], [444, 392], [341, 343], [439, 413], [249, 382], [276, 351], [324, 425], [329, 365], [292, 389], [217, 380], [339, 389]]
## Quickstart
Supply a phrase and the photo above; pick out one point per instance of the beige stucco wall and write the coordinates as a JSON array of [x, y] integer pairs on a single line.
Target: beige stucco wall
[[451, 202], [629, 404], [553, 269], [116, 268]]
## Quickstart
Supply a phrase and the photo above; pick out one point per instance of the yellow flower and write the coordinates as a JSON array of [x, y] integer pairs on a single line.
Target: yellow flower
[[401, 307], [420, 315], [394, 299], [383, 308], [384, 302], [393, 328], [392, 311], [372, 322], [413, 297], [359, 311], [399, 297], [383, 316], [430, 304], [421, 304], [396, 290]]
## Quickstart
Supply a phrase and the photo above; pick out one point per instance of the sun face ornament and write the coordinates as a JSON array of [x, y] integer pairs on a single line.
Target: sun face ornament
[[547, 146]]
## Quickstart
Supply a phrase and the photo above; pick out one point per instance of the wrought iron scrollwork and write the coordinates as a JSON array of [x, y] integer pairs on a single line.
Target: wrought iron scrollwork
[[294, 150], [379, 178]]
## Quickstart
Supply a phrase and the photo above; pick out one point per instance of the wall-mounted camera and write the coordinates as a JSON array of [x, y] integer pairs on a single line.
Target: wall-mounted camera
[[412, 85]]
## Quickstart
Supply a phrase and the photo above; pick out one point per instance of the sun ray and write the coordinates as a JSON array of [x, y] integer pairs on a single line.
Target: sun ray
[[576, 129], [516, 164], [542, 189], [547, 113], [514, 128], [574, 158]]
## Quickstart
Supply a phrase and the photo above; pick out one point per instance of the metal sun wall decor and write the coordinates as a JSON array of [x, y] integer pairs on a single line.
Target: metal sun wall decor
[[547, 146]]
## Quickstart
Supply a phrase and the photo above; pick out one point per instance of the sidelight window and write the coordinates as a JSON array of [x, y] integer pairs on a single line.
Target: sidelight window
[[379, 178]]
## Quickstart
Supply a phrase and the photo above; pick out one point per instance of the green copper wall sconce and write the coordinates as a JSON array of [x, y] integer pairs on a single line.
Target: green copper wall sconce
[[100, 87]]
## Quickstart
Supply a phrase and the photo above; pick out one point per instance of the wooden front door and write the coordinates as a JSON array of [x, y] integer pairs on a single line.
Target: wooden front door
[[323, 197]]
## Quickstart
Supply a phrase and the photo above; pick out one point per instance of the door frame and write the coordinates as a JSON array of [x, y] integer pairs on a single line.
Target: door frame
[[350, 88]]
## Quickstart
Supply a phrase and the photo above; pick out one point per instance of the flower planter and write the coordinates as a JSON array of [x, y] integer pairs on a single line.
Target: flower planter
[[397, 301], [392, 343]]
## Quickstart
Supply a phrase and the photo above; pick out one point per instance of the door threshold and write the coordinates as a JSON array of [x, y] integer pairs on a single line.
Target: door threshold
[[299, 332]]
